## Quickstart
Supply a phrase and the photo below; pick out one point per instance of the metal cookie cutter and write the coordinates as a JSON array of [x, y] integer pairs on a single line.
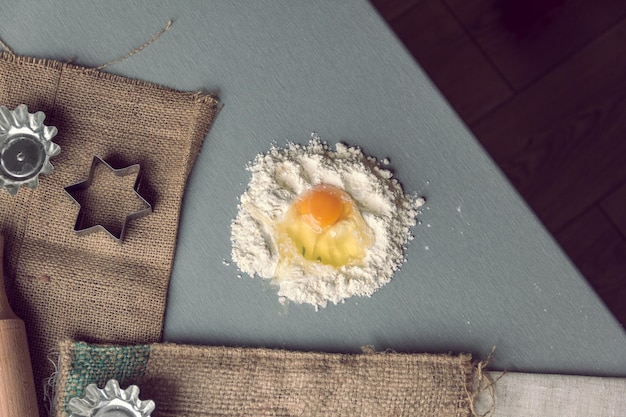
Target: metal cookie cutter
[[112, 401], [25, 148], [82, 229]]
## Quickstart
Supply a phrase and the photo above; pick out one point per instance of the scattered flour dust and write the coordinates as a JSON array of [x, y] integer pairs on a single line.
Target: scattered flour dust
[[279, 177]]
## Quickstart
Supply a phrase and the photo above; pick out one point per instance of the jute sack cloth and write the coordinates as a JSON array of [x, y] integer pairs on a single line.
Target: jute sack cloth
[[93, 288], [190, 381]]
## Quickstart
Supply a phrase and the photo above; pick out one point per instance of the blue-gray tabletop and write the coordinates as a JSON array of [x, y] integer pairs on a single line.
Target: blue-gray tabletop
[[481, 271]]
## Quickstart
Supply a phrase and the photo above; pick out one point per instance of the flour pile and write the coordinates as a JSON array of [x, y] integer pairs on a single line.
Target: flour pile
[[279, 177]]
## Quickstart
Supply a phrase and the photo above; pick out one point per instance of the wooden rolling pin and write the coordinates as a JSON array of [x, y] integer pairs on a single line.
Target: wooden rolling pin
[[17, 385]]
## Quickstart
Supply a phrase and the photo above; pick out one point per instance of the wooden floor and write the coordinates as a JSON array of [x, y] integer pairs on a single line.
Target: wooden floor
[[542, 84]]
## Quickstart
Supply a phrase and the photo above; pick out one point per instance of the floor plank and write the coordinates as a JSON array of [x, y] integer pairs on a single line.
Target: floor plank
[[599, 251], [526, 38], [455, 64], [615, 208], [561, 141], [561, 138]]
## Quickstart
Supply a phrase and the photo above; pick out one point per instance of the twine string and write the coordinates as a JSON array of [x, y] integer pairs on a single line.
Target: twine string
[[156, 36], [484, 384], [6, 47], [138, 49]]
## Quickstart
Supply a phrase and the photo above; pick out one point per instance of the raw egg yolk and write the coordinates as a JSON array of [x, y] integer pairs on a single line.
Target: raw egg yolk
[[321, 207], [323, 225]]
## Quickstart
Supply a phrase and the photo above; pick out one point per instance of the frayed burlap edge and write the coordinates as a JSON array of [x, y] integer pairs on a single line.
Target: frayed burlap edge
[[202, 97]]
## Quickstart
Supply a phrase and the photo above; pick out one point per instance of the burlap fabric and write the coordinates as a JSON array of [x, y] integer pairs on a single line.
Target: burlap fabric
[[189, 381], [92, 288]]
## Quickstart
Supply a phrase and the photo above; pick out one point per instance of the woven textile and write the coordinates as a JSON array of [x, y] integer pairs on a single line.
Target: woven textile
[[189, 381], [91, 287], [545, 395]]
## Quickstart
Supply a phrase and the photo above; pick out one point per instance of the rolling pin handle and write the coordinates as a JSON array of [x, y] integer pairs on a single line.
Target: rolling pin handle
[[18, 397]]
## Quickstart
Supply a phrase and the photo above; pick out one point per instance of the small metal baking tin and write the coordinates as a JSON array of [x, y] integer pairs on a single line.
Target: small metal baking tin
[[122, 172], [25, 148], [111, 401]]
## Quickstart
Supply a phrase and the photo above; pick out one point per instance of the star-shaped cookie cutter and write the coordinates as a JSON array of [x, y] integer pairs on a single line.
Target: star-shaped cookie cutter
[[79, 228]]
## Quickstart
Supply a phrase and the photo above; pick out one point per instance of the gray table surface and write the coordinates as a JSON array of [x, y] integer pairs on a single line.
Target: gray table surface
[[491, 274]]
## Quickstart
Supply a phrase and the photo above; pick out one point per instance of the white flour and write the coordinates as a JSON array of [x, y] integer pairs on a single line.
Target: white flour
[[279, 176]]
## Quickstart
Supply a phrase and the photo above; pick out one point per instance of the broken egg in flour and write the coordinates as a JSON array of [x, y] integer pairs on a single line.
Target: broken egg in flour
[[323, 225]]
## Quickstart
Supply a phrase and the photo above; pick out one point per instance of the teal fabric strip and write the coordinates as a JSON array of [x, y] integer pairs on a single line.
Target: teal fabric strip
[[96, 364]]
